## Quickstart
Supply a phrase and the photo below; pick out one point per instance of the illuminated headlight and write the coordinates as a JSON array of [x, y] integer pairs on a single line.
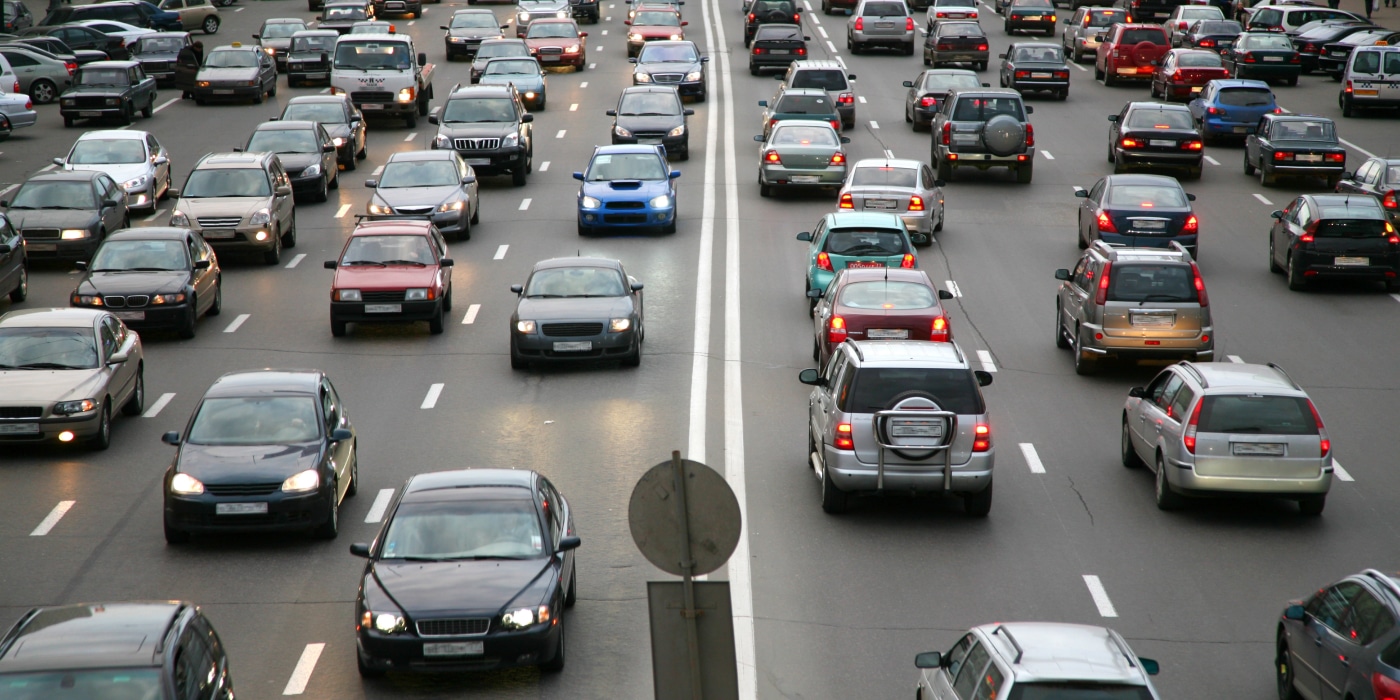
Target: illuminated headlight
[[178, 219], [693, 75], [619, 325], [677, 37], [251, 83], [572, 49], [161, 299], [73, 234], [134, 184], [420, 294], [525, 617], [338, 141], [186, 485], [301, 481], [634, 37], [202, 83], [260, 217], [457, 39], [454, 205], [525, 326], [621, 132], [441, 141], [69, 408], [388, 623], [312, 171], [270, 51], [380, 208], [678, 131], [530, 95], [641, 77], [562, 14], [348, 295], [511, 139], [405, 95], [260, 236], [661, 201], [523, 16], [112, 101], [86, 300], [589, 202]]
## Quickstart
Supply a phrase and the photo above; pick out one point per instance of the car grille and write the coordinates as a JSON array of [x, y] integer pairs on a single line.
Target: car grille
[[625, 205], [126, 302], [571, 330], [667, 77], [624, 218], [475, 144], [90, 102], [153, 66], [371, 96], [263, 489], [551, 50], [396, 295], [649, 134], [413, 211], [21, 411], [219, 221], [454, 628], [40, 233]]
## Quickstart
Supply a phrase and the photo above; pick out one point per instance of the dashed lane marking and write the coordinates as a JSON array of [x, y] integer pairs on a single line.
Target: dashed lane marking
[[1212, 161], [561, 133], [573, 107], [599, 48], [889, 153], [605, 32], [381, 504], [470, 318], [158, 406], [1263, 199], [410, 137], [236, 323], [831, 46], [874, 124], [296, 261], [1047, 155], [301, 675], [583, 84], [325, 91], [822, 31], [377, 171], [501, 252], [952, 288], [1100, 596], [165, 104], [340, 213], [52, 518], [525, 204], [861, 98], [1395, 297], [544, 166], [431, 399], [1032, 459], [986, 358], [1341, 473]]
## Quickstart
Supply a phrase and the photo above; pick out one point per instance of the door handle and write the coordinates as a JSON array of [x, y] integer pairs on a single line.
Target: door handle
[[1317, 641]]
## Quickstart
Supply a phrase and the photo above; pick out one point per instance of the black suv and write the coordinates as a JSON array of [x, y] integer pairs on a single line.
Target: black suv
[[1318, 236], [1343, 637], [489, 127], [983, 128], [770, 12], [108, 89], [159, 649]]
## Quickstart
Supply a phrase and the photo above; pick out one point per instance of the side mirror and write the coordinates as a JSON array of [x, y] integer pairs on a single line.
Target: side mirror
[[171, 438], [945, 294], [1137, 392], [1062, 274], [4, 202], [111, 202], [432, 119], [1293, 612], [704, 59], [80, 264], [908, 83], [632, 59], [583, 35], [328, 148], [202, 264], [758, 138], [1081, 193], [329, 264], [237, 149], [356, 118], [1113, 118], [422, 59], [814, 294], [470, 179], [1030, 109], [446, 262], [1190, 197], [685, 24], [810, 377], [627, 22], [578, 176], [1001, 55], [1276, 214], [284, 191], [59, 163], [568, 543], [1345, 176], [117, 358], [257, 36], [443, 27], [371, 183], [527, 118], [160, 160], [763, 103], [929, 659], [849, 76], [675, 174], [688, 112], [1150, 666], [983, 378], [611, 113], [637, 286], [173, 193], [986, 84], [845, 140], [341, 434], [805, 236], [360, 549], [517, 288]]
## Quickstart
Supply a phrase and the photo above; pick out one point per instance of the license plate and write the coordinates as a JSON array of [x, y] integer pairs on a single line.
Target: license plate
[[779, 52], [1153, 320], [1150, 225], [549, 58], [651, 141], [130, 315], [965, 138], [383, 308], [1257, 449], [574, 346], [371, 105], [318, 75], [1242, 130], [887, 334], [455, 649], [89, 114], [1041, 76], [1161, 142], [1366, 93], [218, 233], [884, 25], [240, 508], [804, 179], [916, 428], [1351, 261], [879, 204], [1196, 88], [1127, 71], [478, 161], [1032, 18], [1308, 157], [856, 264], [19, 428], [1273, 59], [41, 247], [223, 92]]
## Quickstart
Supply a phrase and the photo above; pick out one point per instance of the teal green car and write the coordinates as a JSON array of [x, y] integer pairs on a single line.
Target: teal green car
[[854, 239]]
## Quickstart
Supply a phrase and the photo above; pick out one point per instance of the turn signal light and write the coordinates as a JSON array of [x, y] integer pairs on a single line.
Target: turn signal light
[[1130, 143], [846, 202], [982, 438], [836, 330], [908, 261], [824, 261], [838, 158], [843, 437], [1336, 157]]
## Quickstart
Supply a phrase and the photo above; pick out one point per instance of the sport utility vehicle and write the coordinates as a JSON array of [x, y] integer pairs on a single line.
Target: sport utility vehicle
[[1130, 52], [885, 23], [239, 202], [1221, 428], [489, 127], [825, 75], [1027, 660], [902, 416], [1343, 637], [983, 128], [1334, 235], [770, 12], [1133, 303]]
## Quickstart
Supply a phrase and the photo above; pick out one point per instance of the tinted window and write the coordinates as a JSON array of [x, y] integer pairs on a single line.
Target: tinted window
[[953, 389], [1077, 691], [1137, 36], [657, 19], [161, 44], [1255, 413], [1049, 54], [1199, 59], [1391, 655], [884, 9], [674, 53], [804, 104], [477, 20], [1264, 41], [505, 529], [373, 55], [1349, 228], [54, 194], [240, 182], [575, 282], [512, 66], [956, 3], [420, 173], [1145, 196], [795, 135], [1148, 282], [102, 76], [479, 109], [102, 684], [1106, 18], [944, 81], [324, 112], [1161, 118], [140, 255], [990, 684], [886, 295], [625, 166], [1364, 615], [960, 29], [1328, 607], [865, 241], [1245, 97], [1219, 28], [823, 79], [313, 43], [551, 30], [888, 176], [974, 109], [1392, 174], [284, 141], [971, 672], [778, 32], [259, 420]]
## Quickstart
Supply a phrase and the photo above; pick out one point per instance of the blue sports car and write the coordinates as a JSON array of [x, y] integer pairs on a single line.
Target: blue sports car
[[627, 186]]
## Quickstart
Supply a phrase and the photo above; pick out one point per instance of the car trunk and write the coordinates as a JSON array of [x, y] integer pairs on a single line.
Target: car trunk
[[806, 157], [1257, 436], [1147, 225], [879, 200], [1162, 140], [1353, 238], [1152, 300], [969, 44], [1198, 77], [795, 48], [877, 389], [890, 324], [1268, 58]]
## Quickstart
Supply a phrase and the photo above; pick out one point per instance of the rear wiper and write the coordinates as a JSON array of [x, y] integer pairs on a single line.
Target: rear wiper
[[1161, 297], [1240, 429]]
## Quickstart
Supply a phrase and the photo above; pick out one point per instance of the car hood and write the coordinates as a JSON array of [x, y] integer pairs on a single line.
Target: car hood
[[650, 123], [553, 42], [396, 277], [222, 206], [296, 162], [409, 196], [119, 172], [337, 131], [239, 464], [521, 82], [477, 129], [133, 282], [44, 385], [573, 308], [51, 218], [614, 189], [430, 588], [676, 67], [226, 74], [83, 90]]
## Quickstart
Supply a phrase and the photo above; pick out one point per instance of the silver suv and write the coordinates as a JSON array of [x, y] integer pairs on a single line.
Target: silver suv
[[983, 128], [883, 23], [900, 415], [1225, 428], [1029, 659], [240, 203], [1133, 304], [826, 75]]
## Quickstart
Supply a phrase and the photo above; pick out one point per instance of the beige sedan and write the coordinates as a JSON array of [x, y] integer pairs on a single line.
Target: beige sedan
[[194, 14], [64, 373]]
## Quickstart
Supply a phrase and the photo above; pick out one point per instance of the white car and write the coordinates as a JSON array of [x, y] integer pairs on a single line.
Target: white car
[[135, 159], [128, 33], [19, 109]]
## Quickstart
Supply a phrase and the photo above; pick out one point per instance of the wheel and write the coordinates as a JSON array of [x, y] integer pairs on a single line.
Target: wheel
[[556, 664], [423, 103], [1293, 80], [517, 177], [272, 91], [1061, 341], [103, 439], [335, 181], [211, 25], [476, 213], [752, 70], [137, 402], [1024, 173], [435, 324], [1167, 499], [1296, 281], [21, 290], [584, 230], [1266, 178], [411, 121], [323, 192], [945, 170], [218, 306], [909, 49], [1312, 506], [1348, 109], [1248, 164], [1274, 267], [128, 115], [174, 535], [329, 529], [1130, 456], [634, 358], [43, 91], [1154, 91], [338, 328], [764, 190], [447, 300], [978, 504], [927, 62], [1063, 94], [834, 500], [980, 66], [361, 154], [367, 671], [1109, 79], [349, 163], [1083, 366], [571, 596], [259, 99], [938, 226], [274, 256], [187, 328], [1098, 72], [1283, 664], [67, 122]]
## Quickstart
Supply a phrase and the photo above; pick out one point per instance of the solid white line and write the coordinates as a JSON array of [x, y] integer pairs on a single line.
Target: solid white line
[[156, 407], [1082, 68], [822, 31], [1100, 596], [874, 124], [889, 153], [1212, 161], [544, 166], [700, 343], [573, 107], [1395, 297], [561, 133], [296, 261], [583, 84], [831, 46], [605, 32], [165, 104], [1263, 199], [340, 213], [410, 137], [47, 168], [986, 358], [301, 675], [1047, 155], [1032, 459], [9, 189], [501, 252], [1235, 359], [430, 400], [52, 518], [524, 204], [236, 323], [952, 288], [1341, 473], [470, 318], [1355, 147], [381, 504]]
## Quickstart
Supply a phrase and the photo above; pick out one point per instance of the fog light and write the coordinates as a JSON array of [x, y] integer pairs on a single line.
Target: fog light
[[66, 436], [261, 236]]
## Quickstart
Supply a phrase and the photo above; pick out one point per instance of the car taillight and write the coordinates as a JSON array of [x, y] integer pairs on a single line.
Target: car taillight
[[836, 124], [824, 262], [1295, 58], [801, 51], [1347, 88], [1128, 142], [916, 203], [796, 19], [946, 136], [1023, 74], [1030, 136], [981, 47], [1106, 224], [1321, 430], [1188, 439], [1176, 75], [751, 17], [907, 262], [72, 67], [1214, 110], [843, 437], [930, 102], [940, 14], [944, 47], [846, 98], [1015, 16], [860, 24], [982, 438], [836, 330], [1206, 43], [1193, 145], [772, 157], [1309, 47], [1283, 155], [772, 123], [1180, 26], [972, 15], [757, 50], [1249, 57], [1389, 200], [1308, 233], [1062, 75], [1336, 157], [1102, 296], [1200, 285], [1391, 236], [1192, 226], [846, 202], [939, 330], [1384, 687]]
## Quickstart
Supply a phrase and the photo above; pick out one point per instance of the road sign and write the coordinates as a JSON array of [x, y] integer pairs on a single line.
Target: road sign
[[713, 519]]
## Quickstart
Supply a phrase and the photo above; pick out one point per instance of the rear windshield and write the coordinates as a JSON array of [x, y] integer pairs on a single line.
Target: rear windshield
[[824, 79], [1350, 228], [1137, 36], [803, 104], [795, 134], [887, 295], [1106, 18], [1199, 59], [778, 32], [1246, 97], [952, 389], [1044, 54], [885, 175], [1268, 42], [961, 29], [980, 109], [946, 81], [1218, 27], [884, 9], [1376, 62], [1077, 691], [1267, 17], [955, 3], [1256, 413], [1160, 119], [1035, 4], [1303, 131], [1200, 12], [1145, 196], [1150, 282], [865, 241]]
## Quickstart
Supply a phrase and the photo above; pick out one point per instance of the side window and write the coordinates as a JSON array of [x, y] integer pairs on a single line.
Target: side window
[[553, 511], [1181, 403], [1303, 215], [1363, 618], [1369, 172], [330, 406], [193, 249], [1081, 274], [439, 243], [1329, 606], [838, 363], [18, 60], [843, 385], [1096, 192], [109, 338], [1169, 392], [965, 685], [927, 174], [152, 145], [990, 684], [818, 232], [1154, 390], [958, 653]]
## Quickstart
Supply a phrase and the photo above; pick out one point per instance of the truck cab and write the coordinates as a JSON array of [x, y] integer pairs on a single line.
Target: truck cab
[[384, 75]]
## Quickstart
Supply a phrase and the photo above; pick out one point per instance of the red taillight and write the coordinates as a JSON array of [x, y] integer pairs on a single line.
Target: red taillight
[[751, 17], [946, 136], [1206, 43], [846, 202], [916, 203], [1128, 142], [933, 102], [1188, 439], [908, 24], [860, 24], [981, 47], [1106, 224], [1102, 296], [1249, 57], [1309, 47], [1385, 688], [29, 104], [1192, 226], [1180, 26], [1176, 75], [1023, 74], [1336, 157], [757, 50], [939, 330], [1214, 110], [772, 157], [72, 67], [1030, 135], [907, 262], [1193, 145], [846, 98], [824, 262], [1200, 285], [972, 15], [1321, 430], [843, 437], [940, 14], [1295, 58], [1283, 155], [944, 47], [801, 51], [836, 124], [836, 330], [982, 438], [1347, 88], [1389, 200], [797, 19]]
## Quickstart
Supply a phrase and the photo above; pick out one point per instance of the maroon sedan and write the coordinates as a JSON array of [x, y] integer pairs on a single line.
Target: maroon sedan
[[879, 304], [1184, 72], [557, 42]]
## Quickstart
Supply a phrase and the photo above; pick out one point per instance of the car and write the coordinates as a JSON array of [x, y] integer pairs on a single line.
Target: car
[[1030, 16], [652, 114], [1132, 305], [527, 11], [1371, 80], [1240, 10], [5, 129], [580, 308], [82, 38], [585, 10], [1232, 108], [854, 239], [235, 72], [128, 33], [983, 128], [341, 15], [14, 264], [195, 14], [373, 26], [275, 37], [940, 10], [1334, 236], [1026, 659], [339, 117], [1130, 52], [904, 187], [239, 203], [1288, 18], [1181, 19], [828, 7], [1380, 178], [1183, 73], [171, 650], [64, 214], [295, 460], [510, 530], [776, 46], [158, 54], [391, 271], [1228, 429], [676, 63], [436, 184], [1214, 34], [1334, 56], [878, 304], [17, 16], [18, 110], [1310, 42], [653, 5], [1263, 56], [929, 89], [135, 13], [900, 417], [957, 42], [488, 126], [497, 48], [153, 277], [402, 8], [558, 42], [467, 29], [92, 366], [309, 57], [653, 25], [1035, 67], [636, 178], [61, 50], [524, 74], [798, 104], [1155, 135], [1144, 211], [41, 75], [1084, 31], [134, 159], [108, 89], [1342, 636], [1295, 145], [800, 154], [770, 12], [307, 153], [880, 24]]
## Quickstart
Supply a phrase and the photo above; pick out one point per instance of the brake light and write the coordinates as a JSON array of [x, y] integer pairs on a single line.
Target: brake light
[[1023, 74], [801, 51], [71, 66], [836, 124], [836, 330], [945, 47], [1062, 75], [1102, 295], [1188, 439], [947, 136], [1193, 145], [981, 47], [939, 330], [751, 17], [757, 50], [933, 102], [1249, 57], [1389, 201], [1295, 58], [1030, 136], [1308, 233], [846, 202], [1127, 142], [772, 157], [1180, 26], [1283, 155], [1347, 89], [972, 15], [1206, 43], [1390, 235], [824, 262], [1192, 226], [1214, 110], [982, 438], [846, 98], [1200, 285], [1321, 430], [916, 203], [908, 24], [843, 437], [1176, 75], [1106, 224], [860, 24], [940, 14], [907, 262], [1385, 688], [772, 123], [1336, 157]]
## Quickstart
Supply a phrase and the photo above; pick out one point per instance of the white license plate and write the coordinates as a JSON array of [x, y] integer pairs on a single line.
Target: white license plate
[[916, 428], [573, 346], [779, 52], [887, 334], [218, 233], [1351, 261], [650, 141], [1032, 18], [130, 315], [1257, 449], [1152, 321], [383, 308], [965, 138], [455, 649], [1196, 88], [478, 161], [371, 105], [804, 179], [1273, 59], [240, 508], [89, 114], [857, 264], [223, 92], [41, 247], [1127, 71], [1041, 76], [1242, 130], [549, 58], [1161, 142], [1150, 225], [879, 204], [19, 428], [1308, 157], [884, 25]]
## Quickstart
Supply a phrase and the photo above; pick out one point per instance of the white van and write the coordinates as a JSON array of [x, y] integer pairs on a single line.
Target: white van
[[1371, 79]]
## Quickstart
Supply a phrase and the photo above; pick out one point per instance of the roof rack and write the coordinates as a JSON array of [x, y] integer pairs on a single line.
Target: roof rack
[[1010, 638], [1190, 367], [1123, 648], [1178, 247], [1285, 376], [1384, 579], [855, 347], [1105, 248], [361, 218]]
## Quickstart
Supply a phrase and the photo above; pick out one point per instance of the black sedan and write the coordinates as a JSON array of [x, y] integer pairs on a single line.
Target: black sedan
[[265, 450], [1380, 178], [1142, 211], [652, 114], [1264, 56], [577, 309], [471, 572], [1309, 43], [1333, 58], [927, 92], [677, 62], [1215, 34], [1030, 15], [64, 214], [307, 152], [1295, 145], [153, 277], [776, 46], [1035, 67], [1154, 134]]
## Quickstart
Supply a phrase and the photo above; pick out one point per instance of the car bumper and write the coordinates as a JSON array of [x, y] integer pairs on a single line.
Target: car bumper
[[562, 59], [589, 11], [22, 118], [1218, 127], [230, 93], [958, 56], [1131, 72], [869, 39], [982, 161], [303, 184], [1028, 85], [48, 429], [91, 113], [918, 223], [284, 512], [802, 177], [625, 218], [318, 72], [1200, 347], [1017, 26], [242, 239], [1306, 170], [1264, 71], [51, 249], [154, 317], [408, 312], [1380, 99], [1181, 92], [1183, 477], [672, 144], [923, 115], [537, 346], [397, 109], [1378, 267], [408, 8], [767, 60], [500, 650], [462, 48], [851, 474], [501, 160], [1175, 160], [144, 198]]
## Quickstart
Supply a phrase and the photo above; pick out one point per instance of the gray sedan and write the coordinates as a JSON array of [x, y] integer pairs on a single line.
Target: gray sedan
[[435, 184], [801, 154], [41, 75], [577, 309], [903, 187], [524, 73]]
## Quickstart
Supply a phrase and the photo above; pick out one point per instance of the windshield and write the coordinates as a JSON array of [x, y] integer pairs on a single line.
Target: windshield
[[625, 166], [786, 134], [575, 282], [865, 242], [1160, 119], [675, 53], [145, 256], [1219, 27], [1303, 131], [465, 529], [502, 50], [551, 30], [1077, 691], [960, 29], [420, 173], [512, 66], [1152, 282], [240, 182], [324, 112], [479, 109], [1198, 59], [161, 44], [313, 43], [344, 13], [803, 104], [657, 19], [54, 194], [886, 295], [1255, 413], [97, 684], [102, 76], [885, 176], [1106, 18], [255, 420], [1245, 97], [281, 30], [884, 9], [284, 141], [231, 59], [388, 250], [952, 389], [1145, 196], [945, 81], [1047, 54], [47, 348], [475, 20], [646, 104], [373, 55], [107, 152]]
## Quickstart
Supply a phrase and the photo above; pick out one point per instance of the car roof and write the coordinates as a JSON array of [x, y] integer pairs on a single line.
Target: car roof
[[506, 40], [1240, 83], [1345, 201], [888, 163], [551, 263], [892, 274], [811, 92], [1120, 253], [311, 99], [261, 382], [908, 353], [844, 219], [1142, 179], [1064, 651], [818, 63], [401, 227], [148, 233], [401, 156], [626, 148], [164, 35], [232, 160], [483, 90], [109, 64], [1297, 118], [316, 32], [113, 135], [96, 635], [51, 318], [289, 125], [458, 478], [999, 92], [1161, 106], [1232, 376], [1036, 45]]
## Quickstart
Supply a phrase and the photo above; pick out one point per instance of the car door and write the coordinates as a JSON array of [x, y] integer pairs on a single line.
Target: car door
[[1074, 294], [342, 452], [283, 204], [121, 377], [1142, 422], [327, 145], [113, 217], [1323, 616], [1253, 144], [160, 164], [1345, 645], [26, 68], [11, 260], [939, 681], [202, 280], [1115, 127], [1280, 236]]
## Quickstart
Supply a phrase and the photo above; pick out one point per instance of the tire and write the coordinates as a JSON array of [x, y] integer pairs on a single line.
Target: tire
[[1061, 341], [517, 177], [128, 115], [476, 213], [338, 328], [1296, 281], [349, 163], [323, 192], [210, 25], [447, 300], [1292, 81], [259, 99], [1333, 181], [272, 91], [1266, 178], [980, 66], [1098, 72], [21, 290], [187, 329], [556, 664], [1311, 506], [1348, 109], [979, 504], [411, 121], [1248, 165], [1109, 79], [366, 671], [1024, 173], [634, 358], [274, 256], [945, 170], [137, 402], [43, 91], [834, 500], [1083, 366], [174, 535], [335, 182], [1117, 164], [1129, 455], [331, 528], [1154, 91], [218, 306], [1166, 498], [584, 231], [1283, 667], [1274, 267], [938, 226], [103, 439], [765, 190], [435, 325], [517, 361], [67, 122]]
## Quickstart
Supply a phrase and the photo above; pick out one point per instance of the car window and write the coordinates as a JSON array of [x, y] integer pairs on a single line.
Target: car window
[[1329, 606], [324, 112], [1264, 42], [475, 20], [551, 30], [1198, 59], [642, 104], [971, 672], [672, 53], [799, 135], [1169, 391], [1057, 690], [1106, 18], [958, 654], [1367, 619], [854, 241], [990, 683], [884, 9], [230, 182], [1256, 413], [778, 32], [1180, 403], [885, 176], [886, 295], [945, 81], [1050, 54], [1148, 282], [1160, 118], [388, 250], [1145, 196], [1137, 36], [564, 282], [803, 104], [952, 389], [1155, 389], [1079, 278], [505, 528], [960, 29], [1392, 173], [825, 79], [970, 109], [116, 256], [625, 166]]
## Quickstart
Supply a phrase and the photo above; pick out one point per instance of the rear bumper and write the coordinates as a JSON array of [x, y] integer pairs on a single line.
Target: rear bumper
[[1032, 85], [851, 474], [54, 249], [231, 93], [779, 175], [354, 312], [1305, 170], [982, 161], [1174, 160], [1318, 266], [869, 39], [1220, 127], [1183, 477], [1265, 72], [957, 56]]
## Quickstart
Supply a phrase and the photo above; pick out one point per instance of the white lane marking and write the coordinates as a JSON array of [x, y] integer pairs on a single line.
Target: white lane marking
[[47, 168], [1355, 147], [160, 404], [831, 46], [237, 9], [377, 171], [1047, 155], [600, 48], [1032, 459], [9, 189], [583, 84], [381, 504], [822, 31], [952, 288], [700, 343], [889, 153], [874, 124], [296, 261], [986, 359], [1096, 590], [410, 22], [152, 217], [607, 19], [605, 32], [501, 252], [1082, 68], [1341, 473], [431, 399], [165, 104], [236, 323], [573, 107], [561, 133], [814, 19], [325, 91], [1263, 199], [410, 137], [524, 204], [470, 318], [1395, 297], [301, 675], [861, 98], [340, 213], [544, 166], [807, 5], [1212, 161], [52, 518], [1235, 359], [838, 59]]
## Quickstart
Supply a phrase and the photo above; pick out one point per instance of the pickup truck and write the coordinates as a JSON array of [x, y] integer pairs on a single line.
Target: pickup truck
[[383, 75]]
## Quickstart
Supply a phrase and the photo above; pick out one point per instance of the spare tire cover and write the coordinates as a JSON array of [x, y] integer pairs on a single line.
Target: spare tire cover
[[774, 16], [1003, 135], [915, 401], [1144, 52]]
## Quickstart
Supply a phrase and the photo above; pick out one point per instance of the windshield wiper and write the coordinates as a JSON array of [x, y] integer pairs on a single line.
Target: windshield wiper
[[19, 206], [486, 557], [417, 558], [404, 262], [648, 114], [544, 296], [151, 269], [56, 206], [363, 262], [49, 365]]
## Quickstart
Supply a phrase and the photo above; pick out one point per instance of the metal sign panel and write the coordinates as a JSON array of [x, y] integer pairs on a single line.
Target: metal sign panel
[[670, 666]]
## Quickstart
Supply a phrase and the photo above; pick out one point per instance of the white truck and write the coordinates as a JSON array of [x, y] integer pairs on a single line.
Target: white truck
[[383, 75]]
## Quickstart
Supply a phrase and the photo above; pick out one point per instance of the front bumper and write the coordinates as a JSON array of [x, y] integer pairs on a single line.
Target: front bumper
[[155, 317], [239, 240], [537, 346], [1183, 477], [466, 47], [410, 311], [303, 184], [851, 474], [144, 198], [495, 162], [48, 429], [104, 112], [56, 249], [774, 174], [284, 512], [646, 216], [310, 71], [501, 649], [397, 109]]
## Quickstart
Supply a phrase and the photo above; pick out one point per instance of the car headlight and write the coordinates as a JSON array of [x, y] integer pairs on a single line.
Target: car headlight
[[388, 623], [179, 220], [661, 201], [86, 300], [312, 171], [511, 139], [270, 51], [693, 75], [634, 37], [134, 183], [523, 16], [619, 325], [457, 39], [260, 217], [405, 95], [113, 101], [420, 294], [251, 83], [69, 102], [202, 83], [375, 208], [338, 141], [640, 77], [348, 295], [677, 37], [73, 234], [186, 485], [589, 202], [622, 132], [161, 299], [454, 205], [69, 408], [571, 49], [562, 14], [525, 617], [530, 94], [441, 141], [307, 480], [678, 131], [525, 326]]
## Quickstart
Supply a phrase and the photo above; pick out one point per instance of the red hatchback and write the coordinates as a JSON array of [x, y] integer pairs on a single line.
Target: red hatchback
[[557, 42], [1129, 52], [391, 271], [1183, 73], [879, 304]]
